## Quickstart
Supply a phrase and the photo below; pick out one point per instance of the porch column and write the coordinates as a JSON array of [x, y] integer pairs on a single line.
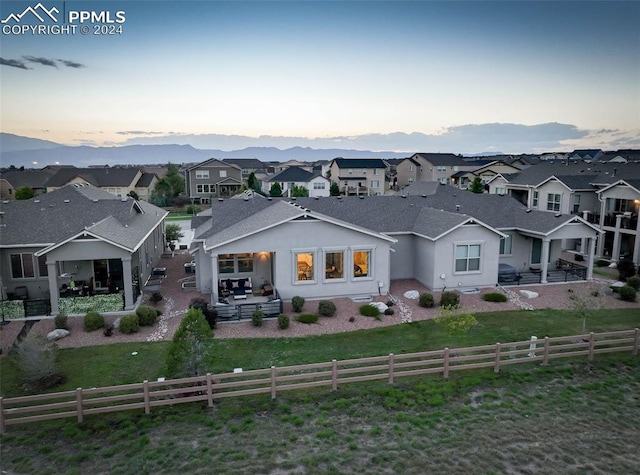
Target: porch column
[[615, 251], [128, 283], [636, 246], [54, 293], [591, 257], [601, 226], [544, 260], [583, 241], [214, 279]]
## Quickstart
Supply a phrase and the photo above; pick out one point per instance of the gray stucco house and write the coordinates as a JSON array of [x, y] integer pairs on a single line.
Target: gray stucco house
[[346, 246], [80, 234]]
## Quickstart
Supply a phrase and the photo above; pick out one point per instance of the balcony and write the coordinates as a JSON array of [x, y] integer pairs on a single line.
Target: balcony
[[354, 190]]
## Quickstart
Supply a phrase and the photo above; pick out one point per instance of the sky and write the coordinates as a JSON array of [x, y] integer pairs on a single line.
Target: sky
[[463, 77]]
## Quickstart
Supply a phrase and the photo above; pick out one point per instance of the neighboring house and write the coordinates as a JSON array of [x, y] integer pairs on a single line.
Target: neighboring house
[[212, 178], [248, 166], [119, 181], [278, 166], [621, 156], [145, 185], [36, 179], [295, 176], [359, 176], [592, 155], [349, 246], [83, 234], [407, 171], [440, 167]]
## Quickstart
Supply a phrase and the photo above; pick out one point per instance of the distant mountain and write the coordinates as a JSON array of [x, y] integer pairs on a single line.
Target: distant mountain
[[84, 156], [14, 143]]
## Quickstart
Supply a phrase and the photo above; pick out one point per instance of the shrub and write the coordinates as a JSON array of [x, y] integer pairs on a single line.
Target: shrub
[[426, 300], [210, 314], [191, 346], [389, 311], [494, 297], [390, 303], [256, 318], [283, 321], [129, 323], [326, 308], [626, 269], [628, 293], [369, 310], [449, 299], [297, 302], [602, 263], [307, 318], [60, 321], [634, 282], [108, 330], [93, 321], [156, 297], [35, 359], [147, 315]]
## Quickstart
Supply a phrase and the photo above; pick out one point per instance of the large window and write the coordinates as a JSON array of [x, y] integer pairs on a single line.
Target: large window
[[202, 174], [235, 263], [204, 188], [22, 266], [334, 265], [304, 266], [505, 245], [441, 168], [361, 263], [535, 199], [375, 183], [318, 185], [553, 201], [245, 262], [43, 270], [223, 173], [467, 257]]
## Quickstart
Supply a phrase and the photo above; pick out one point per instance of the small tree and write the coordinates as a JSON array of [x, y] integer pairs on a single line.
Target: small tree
[[299, 191], [454, 321], [133, 195], [252, 182], [275, 190], [35, 358], [172, 232], [626, 268], [24, 193], [586, 302], [476, 185], [191, 346], [334, 190]]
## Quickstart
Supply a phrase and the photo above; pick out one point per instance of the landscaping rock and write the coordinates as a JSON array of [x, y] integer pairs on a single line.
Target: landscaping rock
[[57, 334], [618, 284], [412, 294], [529, 294], [116, 324], [381, 306]]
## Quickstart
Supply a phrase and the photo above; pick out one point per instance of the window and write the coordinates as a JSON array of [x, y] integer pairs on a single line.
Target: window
[[501, 190], [375, 183], [22, 266], [318, 185], [576, 204], [455, 168], [304, 266], [505, 245], [350, 171], [226, 264], [202, 174], [410, 179], [223, 173], [204, 188], [443, 180], [361, 263], [535, 199], [442, 169], [553, 201], [235, 263], [43, 270], [410, 168], [245, 262], [334, 265], [376, 171], [467, 257]]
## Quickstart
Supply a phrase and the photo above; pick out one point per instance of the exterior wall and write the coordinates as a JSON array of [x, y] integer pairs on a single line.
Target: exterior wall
[[7, 192], [520, 256], [556, 188], [425, 261], [314, 237], [38, 287], [214, 167], [368, 175], [318, 192], [499, 182], [407, 172], [403, 260], [145, 191]]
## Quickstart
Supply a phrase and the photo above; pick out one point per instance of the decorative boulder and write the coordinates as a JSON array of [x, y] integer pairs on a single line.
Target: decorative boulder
[[412, 294], [57, 334], [530, 294], [618, 284], [116, 324], [381, 306]]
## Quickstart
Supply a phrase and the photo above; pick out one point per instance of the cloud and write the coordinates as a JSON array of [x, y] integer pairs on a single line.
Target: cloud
[[140, 132], [71, 64], [14, 63], [42, 61]]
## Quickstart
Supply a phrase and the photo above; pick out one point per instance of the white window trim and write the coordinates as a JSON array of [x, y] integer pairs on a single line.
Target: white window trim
[[204, 174], [345, 258], [510, 239], [294, 265], [468, 243], [372, 268]]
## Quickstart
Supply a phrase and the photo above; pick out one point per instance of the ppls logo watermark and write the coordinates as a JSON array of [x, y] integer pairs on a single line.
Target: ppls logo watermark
[[40, 20]]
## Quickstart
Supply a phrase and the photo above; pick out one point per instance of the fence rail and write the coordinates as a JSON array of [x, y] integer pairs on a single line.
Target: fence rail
[[151, 394]]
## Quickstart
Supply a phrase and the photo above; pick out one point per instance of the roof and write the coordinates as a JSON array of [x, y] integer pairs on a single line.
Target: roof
[[443, 159], [359, 162], [28, 177], [576, 174], [60, 215], [293, 174], [211, 161], [246, 163], [145, 180], [100, 177]]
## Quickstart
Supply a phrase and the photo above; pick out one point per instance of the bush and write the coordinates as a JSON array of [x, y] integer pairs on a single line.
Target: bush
[[93, 321], [256, 318], [210, 314], [449, 299], [297, 302], [129, 324], [426, 300], [147, 315], [626, 269], [369, 310], [60, 321], [283, 321], [389, 311], [326, 308], [494, 297], [390, 303], [190, 349], [602, 263], [634, 282], [35, 359], [307, 318], [628, 293], [156, 297]]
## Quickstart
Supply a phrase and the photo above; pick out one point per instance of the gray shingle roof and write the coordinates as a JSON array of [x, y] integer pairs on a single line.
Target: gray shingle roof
[[30, 178], [443, 159], [360, 162], [599, 173], [145, 180], [292, 174], [108, 176], [246, 163]]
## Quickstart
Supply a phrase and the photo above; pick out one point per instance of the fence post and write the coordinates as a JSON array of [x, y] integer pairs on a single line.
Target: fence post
[[445, 364], [636, 343], [545, 357], [391, 361], [79, 404], [496, 366], [592, 342], [334, 375], [147, 406], [209, 390], [273, 382], [1, 417]]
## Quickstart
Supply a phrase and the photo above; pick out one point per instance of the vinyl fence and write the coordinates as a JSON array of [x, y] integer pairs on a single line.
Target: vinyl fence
[[152, 394]]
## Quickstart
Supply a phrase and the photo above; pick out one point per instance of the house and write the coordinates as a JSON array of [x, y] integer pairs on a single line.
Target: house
[[212, 178], [280, 166], [359, 176], [591, 155], [440, 167], [36, 179], [407, 171], [248, 166], [317, 185], [349, 246], [118, 180], [78, 240]]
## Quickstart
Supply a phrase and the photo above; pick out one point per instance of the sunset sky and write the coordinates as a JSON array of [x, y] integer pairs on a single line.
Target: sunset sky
[[465, 76]]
